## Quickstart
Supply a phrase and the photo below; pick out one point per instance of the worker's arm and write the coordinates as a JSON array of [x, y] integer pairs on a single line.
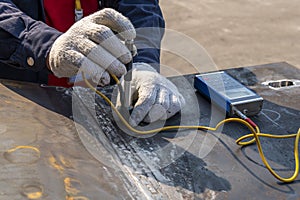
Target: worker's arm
[[89, 43], [24, 42], [147, 18]]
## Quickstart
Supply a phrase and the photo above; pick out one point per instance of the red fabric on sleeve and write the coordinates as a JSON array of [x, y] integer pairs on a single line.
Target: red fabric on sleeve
[[60, 14]]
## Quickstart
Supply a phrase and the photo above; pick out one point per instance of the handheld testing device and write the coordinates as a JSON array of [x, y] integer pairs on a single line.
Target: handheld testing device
[[228, 93]]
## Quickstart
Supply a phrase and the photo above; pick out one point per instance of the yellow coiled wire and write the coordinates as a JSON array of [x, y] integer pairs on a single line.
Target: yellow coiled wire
[[255, 133]]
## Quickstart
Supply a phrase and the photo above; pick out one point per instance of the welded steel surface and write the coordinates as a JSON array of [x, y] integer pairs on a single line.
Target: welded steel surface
[[54, 146]]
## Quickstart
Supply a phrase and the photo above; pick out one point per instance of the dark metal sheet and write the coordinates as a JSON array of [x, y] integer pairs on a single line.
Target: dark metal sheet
[[94, 159]]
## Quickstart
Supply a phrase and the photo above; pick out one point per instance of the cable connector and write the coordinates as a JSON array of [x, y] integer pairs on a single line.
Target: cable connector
[[78, 11], [244, 117]]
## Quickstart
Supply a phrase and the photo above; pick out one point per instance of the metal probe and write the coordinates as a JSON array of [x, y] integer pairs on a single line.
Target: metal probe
[[128, 77]]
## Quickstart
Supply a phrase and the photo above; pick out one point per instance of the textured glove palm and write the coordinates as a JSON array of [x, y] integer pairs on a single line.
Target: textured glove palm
[[90, 45], [156, 97]]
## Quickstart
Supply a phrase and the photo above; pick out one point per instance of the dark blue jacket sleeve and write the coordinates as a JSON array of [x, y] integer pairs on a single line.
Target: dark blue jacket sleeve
[[24, 42], [148, 20]]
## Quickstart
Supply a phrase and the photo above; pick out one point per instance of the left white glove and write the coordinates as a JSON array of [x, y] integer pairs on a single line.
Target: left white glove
[[156, 97], [91, 45]]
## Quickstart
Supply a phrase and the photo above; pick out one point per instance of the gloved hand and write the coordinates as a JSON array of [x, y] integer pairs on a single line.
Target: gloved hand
[[156, 97], [91, 45]]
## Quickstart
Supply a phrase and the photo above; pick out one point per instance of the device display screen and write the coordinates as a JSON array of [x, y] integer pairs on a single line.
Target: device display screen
[[237, 93]]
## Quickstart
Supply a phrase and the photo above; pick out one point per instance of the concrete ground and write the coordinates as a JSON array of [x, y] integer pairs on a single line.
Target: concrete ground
[[236, 33]]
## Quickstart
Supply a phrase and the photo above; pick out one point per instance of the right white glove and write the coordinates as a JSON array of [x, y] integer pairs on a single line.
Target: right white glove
[[91, 45], [156, 97]]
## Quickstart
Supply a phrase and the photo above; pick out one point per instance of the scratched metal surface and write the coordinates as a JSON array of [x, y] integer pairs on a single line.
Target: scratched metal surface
[[94, 159]]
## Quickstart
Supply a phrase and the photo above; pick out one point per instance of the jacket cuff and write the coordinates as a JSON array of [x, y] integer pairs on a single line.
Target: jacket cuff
[[32, 52]]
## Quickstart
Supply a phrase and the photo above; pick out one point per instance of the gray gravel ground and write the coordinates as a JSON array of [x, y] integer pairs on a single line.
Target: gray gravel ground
[[236, 32]]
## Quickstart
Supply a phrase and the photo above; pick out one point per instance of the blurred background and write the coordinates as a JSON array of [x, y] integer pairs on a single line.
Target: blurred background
[[235, 33]]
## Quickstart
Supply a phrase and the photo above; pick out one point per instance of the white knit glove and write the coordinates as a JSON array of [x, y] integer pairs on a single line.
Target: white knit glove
[[91, 45], [156, 97]]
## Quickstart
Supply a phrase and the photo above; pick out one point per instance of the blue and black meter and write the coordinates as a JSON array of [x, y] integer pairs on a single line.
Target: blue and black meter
[[228, 93]]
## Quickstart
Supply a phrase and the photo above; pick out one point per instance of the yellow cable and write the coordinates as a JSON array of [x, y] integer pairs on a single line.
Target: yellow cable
[[77, 5], [255, 133]]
